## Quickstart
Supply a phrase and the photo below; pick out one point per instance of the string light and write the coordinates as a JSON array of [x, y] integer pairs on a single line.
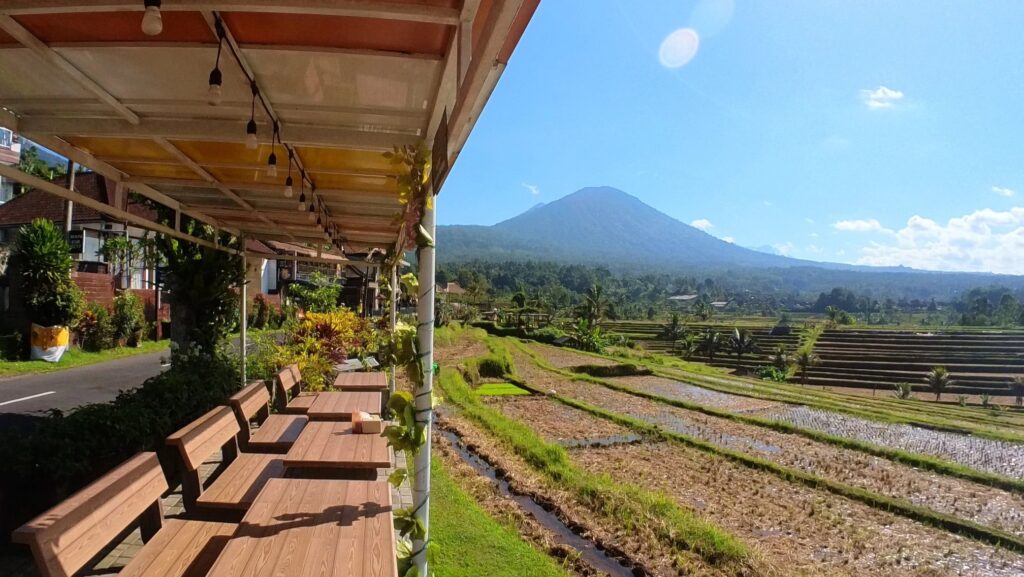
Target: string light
[[213, 95], [152, 21], [250, 129], [288, 182], [272, 159], [311, 212]]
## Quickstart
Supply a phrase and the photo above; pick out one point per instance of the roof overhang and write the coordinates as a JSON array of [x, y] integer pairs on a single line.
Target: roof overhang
[[344, 80]]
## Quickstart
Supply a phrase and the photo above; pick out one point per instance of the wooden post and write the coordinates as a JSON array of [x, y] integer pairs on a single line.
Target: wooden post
[[424, 394]]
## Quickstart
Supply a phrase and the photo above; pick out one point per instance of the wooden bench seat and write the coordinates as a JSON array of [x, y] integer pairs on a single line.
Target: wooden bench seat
[[74, 534], [276, 433], [241, 476], [288, 394]]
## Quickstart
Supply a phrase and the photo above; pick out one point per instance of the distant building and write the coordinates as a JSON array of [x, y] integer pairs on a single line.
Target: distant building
[[10, 153], [453, 288]]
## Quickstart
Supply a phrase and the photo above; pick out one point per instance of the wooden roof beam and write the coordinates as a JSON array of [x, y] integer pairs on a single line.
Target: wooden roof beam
[[352, 8], [215, 130]]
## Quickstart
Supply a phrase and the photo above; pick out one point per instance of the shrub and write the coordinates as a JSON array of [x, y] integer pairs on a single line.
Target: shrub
[[95, 328], [904, 391], [42, 261], [129, 316], [321, 296], [321, 340], [261, 314], [621, 370], [65, 452], [769, 373]]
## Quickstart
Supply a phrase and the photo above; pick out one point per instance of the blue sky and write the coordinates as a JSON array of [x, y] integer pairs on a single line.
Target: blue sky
[[868, 131]]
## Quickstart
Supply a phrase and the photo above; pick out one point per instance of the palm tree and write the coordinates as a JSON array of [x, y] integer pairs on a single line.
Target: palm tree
[[804, 361], [938, 380], [832, 313], [742, 343], [710, 343], [687, 347], [595, 305], [674, 330], [780, 359], [1018, 389]]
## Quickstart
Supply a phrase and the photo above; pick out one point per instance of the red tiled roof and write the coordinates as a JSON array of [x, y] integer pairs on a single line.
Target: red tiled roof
[[34, 204]]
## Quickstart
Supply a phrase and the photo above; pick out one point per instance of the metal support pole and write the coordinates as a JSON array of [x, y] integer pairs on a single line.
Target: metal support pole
[[393, 321], [69, 206], [242, 313], [423, 395]]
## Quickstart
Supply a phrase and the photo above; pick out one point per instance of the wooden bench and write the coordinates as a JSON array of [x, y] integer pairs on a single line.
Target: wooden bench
[[74, 534], [288, 394], [242, 475], [276, 433]]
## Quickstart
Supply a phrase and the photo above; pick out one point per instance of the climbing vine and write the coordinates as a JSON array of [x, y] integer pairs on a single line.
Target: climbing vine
[[408, 433]]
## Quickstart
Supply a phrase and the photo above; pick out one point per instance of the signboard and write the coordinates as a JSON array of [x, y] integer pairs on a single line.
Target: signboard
[[284, 271], [76, 239], [439, 154]]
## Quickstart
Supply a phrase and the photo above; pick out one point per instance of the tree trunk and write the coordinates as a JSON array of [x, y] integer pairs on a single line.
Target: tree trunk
[[181, 325]]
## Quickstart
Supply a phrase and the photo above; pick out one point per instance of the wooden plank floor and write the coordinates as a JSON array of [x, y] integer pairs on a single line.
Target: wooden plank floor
[[307, 527], [339, 406], [331, 445]]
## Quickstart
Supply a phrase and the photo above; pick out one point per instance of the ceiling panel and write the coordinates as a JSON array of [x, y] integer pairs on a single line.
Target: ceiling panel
[[338, 32], [111, 149], [115, 27], [26, 75]]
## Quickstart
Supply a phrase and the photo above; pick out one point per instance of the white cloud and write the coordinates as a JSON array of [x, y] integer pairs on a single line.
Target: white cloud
[[703, 224], [814, 249], [813, 235], [533, 188], [881, 97], [860, 225], [729, 239], [983, 241], [1003, 191], [783, 248], [766, 202], [679, 48]]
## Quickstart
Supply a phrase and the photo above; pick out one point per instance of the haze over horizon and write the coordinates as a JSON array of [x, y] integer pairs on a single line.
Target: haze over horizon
[[861, 133]]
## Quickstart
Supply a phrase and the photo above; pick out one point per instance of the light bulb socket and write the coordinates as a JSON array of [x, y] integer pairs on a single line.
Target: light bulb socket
[[288, 189], [152, 21], [250, 135]]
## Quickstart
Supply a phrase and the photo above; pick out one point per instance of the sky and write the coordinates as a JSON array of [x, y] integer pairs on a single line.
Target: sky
[[869, 132]]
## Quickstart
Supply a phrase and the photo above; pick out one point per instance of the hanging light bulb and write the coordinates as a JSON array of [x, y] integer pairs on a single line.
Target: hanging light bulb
[[152, 21], [302, 201], [272, 164], [288, 190], [250, 135], [213, 95], [311, 212], [250, 129], [319, 222]]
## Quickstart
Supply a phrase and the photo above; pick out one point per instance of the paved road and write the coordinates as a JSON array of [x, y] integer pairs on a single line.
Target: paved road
[[67, 389]]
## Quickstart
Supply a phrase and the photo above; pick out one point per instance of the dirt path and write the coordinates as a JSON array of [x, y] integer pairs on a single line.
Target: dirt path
[[965, 499]]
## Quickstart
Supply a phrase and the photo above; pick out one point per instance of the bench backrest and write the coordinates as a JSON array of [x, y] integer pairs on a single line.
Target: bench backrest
[[68, 536], [288, 381], [204, 436], [249, 402]]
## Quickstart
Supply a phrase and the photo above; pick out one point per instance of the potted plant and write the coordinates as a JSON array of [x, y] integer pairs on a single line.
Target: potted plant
[[42, 263]]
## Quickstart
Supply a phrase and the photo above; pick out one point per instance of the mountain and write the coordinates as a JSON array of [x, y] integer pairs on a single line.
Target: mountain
[[602, 225]]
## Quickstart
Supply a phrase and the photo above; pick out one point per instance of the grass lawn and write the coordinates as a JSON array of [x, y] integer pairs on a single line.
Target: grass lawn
[[469, 543], [76, 357], [500, 390]]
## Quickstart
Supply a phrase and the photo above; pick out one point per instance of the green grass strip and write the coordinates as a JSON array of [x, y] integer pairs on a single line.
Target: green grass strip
[[627, 505], [905, 457], [900, 507], [467, 542], [76, 357]]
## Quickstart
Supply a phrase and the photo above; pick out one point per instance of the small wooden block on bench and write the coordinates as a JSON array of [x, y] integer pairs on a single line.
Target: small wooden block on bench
[[72, 535]]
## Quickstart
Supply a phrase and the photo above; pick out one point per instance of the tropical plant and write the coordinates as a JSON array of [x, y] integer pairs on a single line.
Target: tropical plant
[[710, 342], [42, 263], [780, 359], [773, 374], [519, 299], [742, 343], [585, 337], [95, 329], [903, 390], [986, 400], [122, 254], [804, 360], [688, 346], [129, 317], [320, 296], [31, 163], [261, 315], [674, 330], [594, 306], [201, 281], [938, 380], [1018, 389]]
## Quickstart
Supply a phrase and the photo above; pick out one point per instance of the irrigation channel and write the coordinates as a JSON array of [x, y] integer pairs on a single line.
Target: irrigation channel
[[999, 457], [590, 552]]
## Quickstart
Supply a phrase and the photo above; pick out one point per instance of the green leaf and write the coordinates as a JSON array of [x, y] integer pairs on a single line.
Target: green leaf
[[397, 477]]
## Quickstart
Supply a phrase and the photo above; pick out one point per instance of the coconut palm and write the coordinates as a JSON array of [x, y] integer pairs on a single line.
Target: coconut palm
[[674, 330], [742, 343], [594, 306], [780, 359], [938, 380], [1018, 389], [805, 360], [710, 342]]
